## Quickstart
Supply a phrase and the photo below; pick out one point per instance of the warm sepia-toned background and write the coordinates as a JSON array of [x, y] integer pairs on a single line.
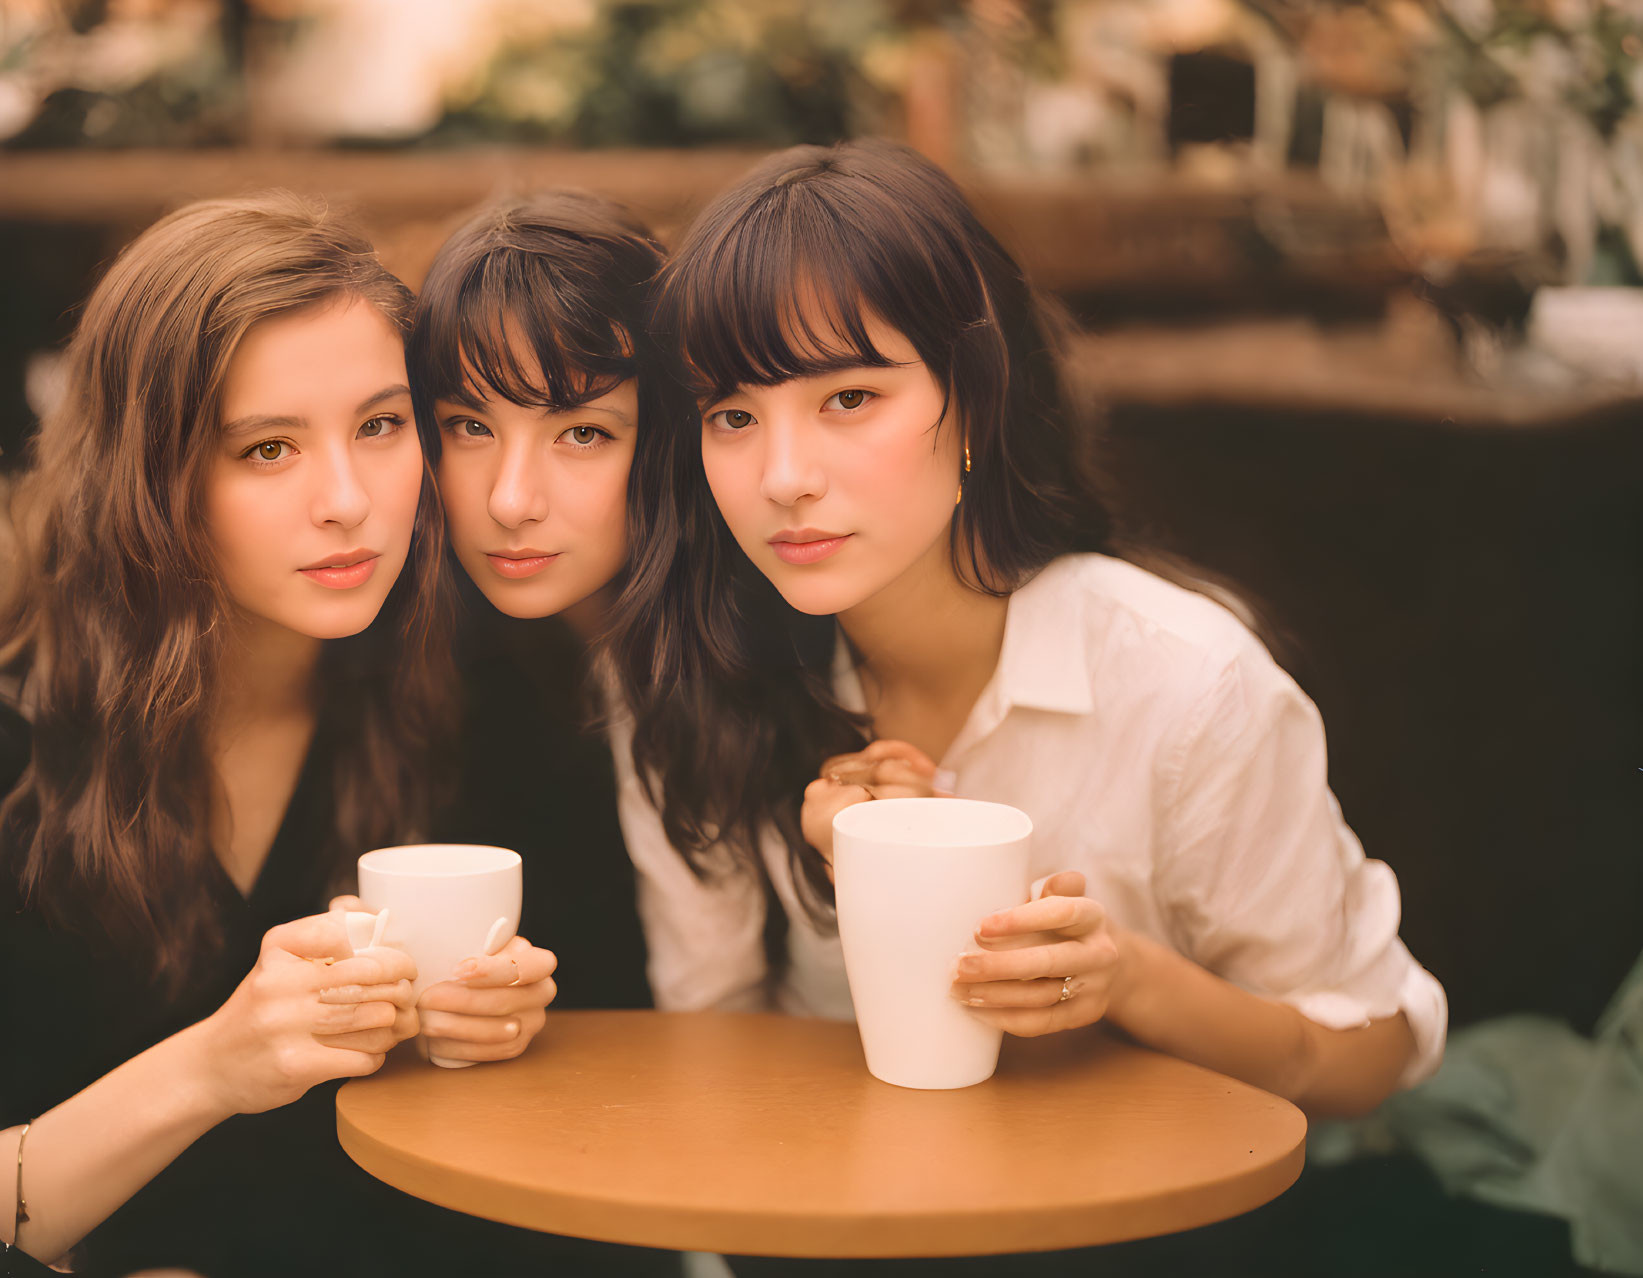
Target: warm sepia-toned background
[[1357, 284]]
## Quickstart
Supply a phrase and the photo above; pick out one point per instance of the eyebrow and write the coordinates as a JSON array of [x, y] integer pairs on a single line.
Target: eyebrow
[[262, 421], [844, 363], [386, 393], [617, 413], [463, 400]]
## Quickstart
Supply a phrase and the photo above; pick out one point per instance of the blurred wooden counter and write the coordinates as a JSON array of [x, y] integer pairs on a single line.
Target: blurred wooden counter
[[1130, 234]]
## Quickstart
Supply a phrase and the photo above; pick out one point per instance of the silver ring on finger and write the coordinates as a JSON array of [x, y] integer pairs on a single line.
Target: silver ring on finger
[[1066, 989]]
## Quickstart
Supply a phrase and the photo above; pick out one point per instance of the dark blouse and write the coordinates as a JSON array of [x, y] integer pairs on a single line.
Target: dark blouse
[[273, 1193], [530, 777]]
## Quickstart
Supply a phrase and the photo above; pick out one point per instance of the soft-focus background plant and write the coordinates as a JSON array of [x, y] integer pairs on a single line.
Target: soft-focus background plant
[[1478, 125]]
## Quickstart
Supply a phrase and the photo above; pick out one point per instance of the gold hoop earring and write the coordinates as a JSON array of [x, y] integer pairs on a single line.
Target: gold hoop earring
[[966, 458]]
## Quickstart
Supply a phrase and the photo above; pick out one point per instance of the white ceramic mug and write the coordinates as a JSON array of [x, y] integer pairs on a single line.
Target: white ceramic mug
[[444, 902], [914, 878]]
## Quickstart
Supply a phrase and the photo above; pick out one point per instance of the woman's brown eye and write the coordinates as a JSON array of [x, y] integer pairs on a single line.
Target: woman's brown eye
[[735, 418], [584, 434], [850, 399], [271, 450]]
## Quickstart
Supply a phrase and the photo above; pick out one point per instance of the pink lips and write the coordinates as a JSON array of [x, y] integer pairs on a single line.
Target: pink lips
[[521, 563], [347, 570], [807, 545]]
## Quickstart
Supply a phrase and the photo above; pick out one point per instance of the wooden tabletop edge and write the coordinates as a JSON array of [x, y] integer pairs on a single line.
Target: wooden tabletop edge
[[749, 1230]]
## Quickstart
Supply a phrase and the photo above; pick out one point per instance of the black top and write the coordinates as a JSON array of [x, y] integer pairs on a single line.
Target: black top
[[531, 778], [273, 1193]]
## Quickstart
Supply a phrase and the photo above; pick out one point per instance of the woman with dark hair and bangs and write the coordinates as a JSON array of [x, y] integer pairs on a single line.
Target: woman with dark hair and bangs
[[525, 374], [224, 633], [883, 442], [535, 387]]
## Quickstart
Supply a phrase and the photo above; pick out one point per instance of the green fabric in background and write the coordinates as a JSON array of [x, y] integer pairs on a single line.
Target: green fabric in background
[[1527, 1114]]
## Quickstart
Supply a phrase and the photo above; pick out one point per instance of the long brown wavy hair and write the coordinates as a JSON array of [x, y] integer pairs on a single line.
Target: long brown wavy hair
[[114, 616]]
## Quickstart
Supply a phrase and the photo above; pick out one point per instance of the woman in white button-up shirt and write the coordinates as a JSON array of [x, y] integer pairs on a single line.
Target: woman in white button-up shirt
[[884, 437]]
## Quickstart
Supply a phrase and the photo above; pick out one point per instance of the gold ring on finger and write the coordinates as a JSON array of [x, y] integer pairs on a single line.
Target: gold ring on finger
[[1066, 989], [518, 973]]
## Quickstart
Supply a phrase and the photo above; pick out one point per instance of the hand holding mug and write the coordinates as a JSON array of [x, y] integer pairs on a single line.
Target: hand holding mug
[[454, 907], [492, 1007], [1051, 964], [310, 1010], [884, 769]]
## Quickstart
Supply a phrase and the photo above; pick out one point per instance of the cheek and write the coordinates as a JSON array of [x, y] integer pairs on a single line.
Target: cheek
[[734, 477], [904, 480], [240, 518], [400, 489], [464, 490], [600, 507]]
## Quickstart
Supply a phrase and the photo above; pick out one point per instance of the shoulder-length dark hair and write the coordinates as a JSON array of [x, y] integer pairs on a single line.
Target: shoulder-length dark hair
[[115, 612], [729, 686]]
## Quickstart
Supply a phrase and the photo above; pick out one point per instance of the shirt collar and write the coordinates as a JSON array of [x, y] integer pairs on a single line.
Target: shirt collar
[[1045, 661]]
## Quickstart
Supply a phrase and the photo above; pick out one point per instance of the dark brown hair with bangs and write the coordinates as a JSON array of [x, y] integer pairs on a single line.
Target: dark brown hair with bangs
[[113, 609], [776, 279], [563, 274]]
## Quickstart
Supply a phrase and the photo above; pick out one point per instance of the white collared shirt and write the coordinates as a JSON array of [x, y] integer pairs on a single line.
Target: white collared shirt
[[1159, 750]]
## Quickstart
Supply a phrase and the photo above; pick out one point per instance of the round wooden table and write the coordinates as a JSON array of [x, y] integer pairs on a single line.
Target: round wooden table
[[766, 1135]]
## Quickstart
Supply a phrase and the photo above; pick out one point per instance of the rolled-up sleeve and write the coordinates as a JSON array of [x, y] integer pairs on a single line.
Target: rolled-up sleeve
[[1261, 880]]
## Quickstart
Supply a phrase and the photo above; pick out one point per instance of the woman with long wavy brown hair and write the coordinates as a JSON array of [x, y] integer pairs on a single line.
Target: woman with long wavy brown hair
[[224, 633]]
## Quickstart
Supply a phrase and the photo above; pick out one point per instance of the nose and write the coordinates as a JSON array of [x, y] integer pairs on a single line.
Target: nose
[[793, 468], [518, 495], [339, 496]]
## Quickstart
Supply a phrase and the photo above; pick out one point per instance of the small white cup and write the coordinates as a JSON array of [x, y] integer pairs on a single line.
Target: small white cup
[[913, 878], [444, 902]]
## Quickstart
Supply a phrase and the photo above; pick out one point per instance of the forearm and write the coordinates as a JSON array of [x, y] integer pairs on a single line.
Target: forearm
[[86, 1157], [1176, 1006]]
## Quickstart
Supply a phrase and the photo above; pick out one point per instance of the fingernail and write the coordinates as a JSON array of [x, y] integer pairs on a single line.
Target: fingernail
[[966, 964], [465, 969], [512, 1027]]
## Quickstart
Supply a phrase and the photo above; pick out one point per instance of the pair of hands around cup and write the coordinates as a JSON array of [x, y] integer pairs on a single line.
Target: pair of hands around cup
[[308, 1011], [1023, 958], [492, 1006]]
